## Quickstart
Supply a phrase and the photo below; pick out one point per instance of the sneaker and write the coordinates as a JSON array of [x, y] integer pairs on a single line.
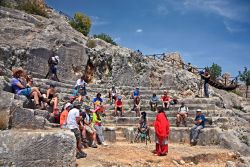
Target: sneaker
[[94, 146], [104, 144], [81, 155]]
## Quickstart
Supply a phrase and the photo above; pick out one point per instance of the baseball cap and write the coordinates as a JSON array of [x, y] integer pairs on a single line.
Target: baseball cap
[[67, 105], [198, 110]]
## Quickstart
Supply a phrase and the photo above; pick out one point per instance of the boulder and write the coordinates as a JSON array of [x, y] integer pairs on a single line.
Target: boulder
[[37, 148], [6, 101], [28, 119]]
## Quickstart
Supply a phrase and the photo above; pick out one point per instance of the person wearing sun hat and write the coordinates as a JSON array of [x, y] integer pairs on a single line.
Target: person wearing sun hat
[[20, 88], [199, 122], [64, 115]]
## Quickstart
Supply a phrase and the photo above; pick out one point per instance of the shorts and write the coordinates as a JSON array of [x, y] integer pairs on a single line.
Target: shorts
[[25, 92], [89, 129], [53, 69], [119, 109], [77, 133]]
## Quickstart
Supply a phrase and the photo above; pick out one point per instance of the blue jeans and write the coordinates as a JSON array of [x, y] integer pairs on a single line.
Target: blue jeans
[[206, 89], [195, 130]]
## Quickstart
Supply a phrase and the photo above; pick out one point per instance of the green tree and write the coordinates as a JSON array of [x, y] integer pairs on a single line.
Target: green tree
[[245, 77], [214, 70], [81, 23], [106, 38]]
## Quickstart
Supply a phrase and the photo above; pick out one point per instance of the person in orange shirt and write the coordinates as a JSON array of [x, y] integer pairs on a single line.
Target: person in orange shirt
[[165, 100], [64, 115]]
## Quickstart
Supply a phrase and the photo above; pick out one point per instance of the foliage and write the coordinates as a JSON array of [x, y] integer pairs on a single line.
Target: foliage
[[81, 23], [237, 92], [6, 4], [106, 38], [245, 77], [28, 7], [33, 8], [214, 70], [91, 43]]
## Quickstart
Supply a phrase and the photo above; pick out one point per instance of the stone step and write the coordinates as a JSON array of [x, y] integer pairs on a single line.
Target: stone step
[[121, 139], [208, 136], [170, 113], [135, 120], [71, 84]]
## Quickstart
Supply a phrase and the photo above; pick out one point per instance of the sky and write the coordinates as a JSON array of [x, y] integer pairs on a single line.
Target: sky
[[202, 31]]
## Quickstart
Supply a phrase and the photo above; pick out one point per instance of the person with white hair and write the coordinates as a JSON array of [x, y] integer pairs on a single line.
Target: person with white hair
[[52, 63], [199, 124]]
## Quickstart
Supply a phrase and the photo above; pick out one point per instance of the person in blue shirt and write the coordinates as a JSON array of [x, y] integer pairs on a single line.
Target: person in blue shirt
[[97, 101], [199, 124]]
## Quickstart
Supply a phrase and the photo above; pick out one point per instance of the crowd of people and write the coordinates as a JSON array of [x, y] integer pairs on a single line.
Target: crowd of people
[[84, 117]]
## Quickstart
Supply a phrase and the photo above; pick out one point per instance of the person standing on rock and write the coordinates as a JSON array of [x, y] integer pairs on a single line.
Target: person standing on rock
[[199, 124], [52, 63], [73, 120], [112, 95], [206, 77], [162, 127]]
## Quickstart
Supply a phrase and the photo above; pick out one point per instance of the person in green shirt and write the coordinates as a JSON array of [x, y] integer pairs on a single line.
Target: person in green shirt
[[97, 124]]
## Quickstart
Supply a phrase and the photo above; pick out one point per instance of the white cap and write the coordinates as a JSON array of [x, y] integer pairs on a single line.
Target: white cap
[[67, 105], [198, 110]]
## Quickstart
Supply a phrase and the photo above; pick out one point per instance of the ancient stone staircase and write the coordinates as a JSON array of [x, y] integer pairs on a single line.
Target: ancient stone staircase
[[121, 128]]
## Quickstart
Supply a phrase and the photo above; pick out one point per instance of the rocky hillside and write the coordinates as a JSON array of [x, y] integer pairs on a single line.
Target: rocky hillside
[[28, 40]]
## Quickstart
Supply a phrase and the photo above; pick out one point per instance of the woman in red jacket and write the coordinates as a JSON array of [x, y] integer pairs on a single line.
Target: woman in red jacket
[[161, 125]]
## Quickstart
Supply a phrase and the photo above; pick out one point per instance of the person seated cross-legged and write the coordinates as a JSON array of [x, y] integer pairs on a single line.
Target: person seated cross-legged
[[182, 115]]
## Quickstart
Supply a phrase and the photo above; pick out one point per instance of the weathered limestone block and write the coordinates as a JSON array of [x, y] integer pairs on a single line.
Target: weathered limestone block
[[109, 134], [6, 100], [37, 148], [27, 118]]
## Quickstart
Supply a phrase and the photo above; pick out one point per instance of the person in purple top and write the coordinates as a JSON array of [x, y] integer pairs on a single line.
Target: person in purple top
[[20, 88], [199, 124]]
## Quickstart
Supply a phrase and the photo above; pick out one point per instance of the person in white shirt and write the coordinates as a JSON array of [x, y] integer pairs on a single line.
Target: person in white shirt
[[72, 123], [182, 115]]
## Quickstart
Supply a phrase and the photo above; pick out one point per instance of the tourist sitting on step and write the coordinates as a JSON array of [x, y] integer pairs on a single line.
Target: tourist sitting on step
[[136, 93], [73, 120], [162, 127], [80, 83], [52, 63], [154, 100], [79, 94], [112, 95], [97, 124], [86, 126], [19, 87], [64, 115], [97, 101], [119, 106], [52, 101], [182, 115], [199, 122], [165, 98], [137, 106]]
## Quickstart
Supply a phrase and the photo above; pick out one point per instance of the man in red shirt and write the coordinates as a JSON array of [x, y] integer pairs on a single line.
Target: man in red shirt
[[165, 98], [119, 106]]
